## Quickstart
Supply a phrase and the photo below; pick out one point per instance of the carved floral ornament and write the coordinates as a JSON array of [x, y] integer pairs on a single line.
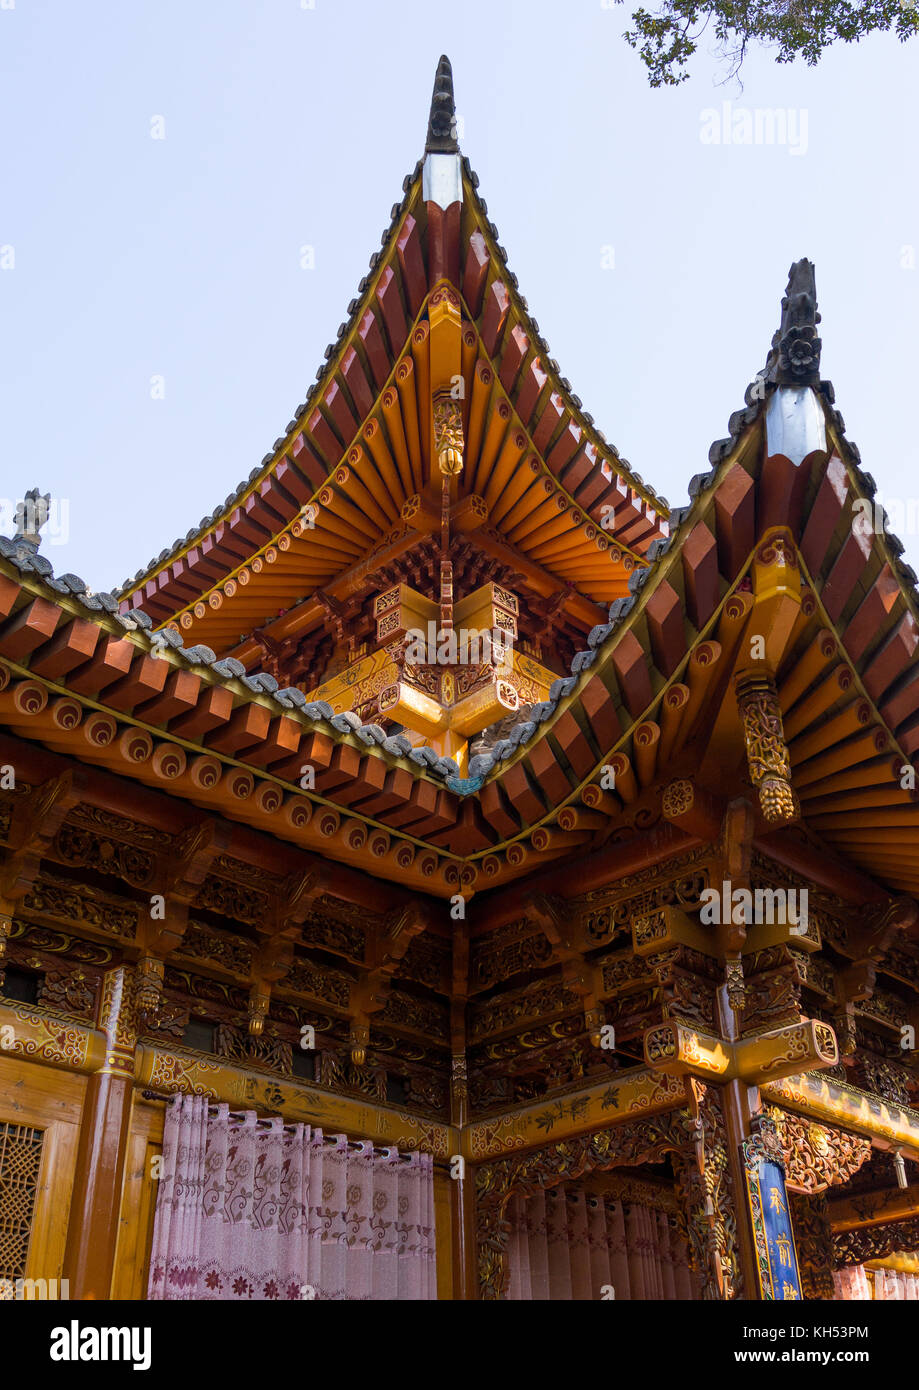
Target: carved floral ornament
[[875, 1242], [648, 927], [661, 1044], [817, 1156], [678, 798]]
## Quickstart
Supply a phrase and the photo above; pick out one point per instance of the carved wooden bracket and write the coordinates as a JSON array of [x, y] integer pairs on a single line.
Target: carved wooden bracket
[[278, 932], [370, 993], [875, 1242], [565, 930], [36, 820], [881, 924], [767, 751]]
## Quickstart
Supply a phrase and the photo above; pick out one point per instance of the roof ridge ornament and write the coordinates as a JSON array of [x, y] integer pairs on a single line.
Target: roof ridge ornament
[[442, 119], [32, 513], [794, 358]]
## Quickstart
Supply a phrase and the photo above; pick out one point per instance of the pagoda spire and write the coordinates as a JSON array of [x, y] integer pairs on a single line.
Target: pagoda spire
[[442, 119], [794, 358], [442, 181], [795, 419]]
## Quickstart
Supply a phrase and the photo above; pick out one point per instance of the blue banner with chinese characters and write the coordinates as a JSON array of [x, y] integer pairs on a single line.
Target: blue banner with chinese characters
[[777, 1261]]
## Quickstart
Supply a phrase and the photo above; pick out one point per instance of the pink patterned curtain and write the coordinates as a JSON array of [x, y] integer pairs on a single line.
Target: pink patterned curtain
[[566, 1244], [250, 1210], [851, 1284]]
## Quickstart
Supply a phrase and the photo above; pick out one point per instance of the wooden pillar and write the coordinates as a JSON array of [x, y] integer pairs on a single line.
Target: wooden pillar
[[737, 1096], [736, 1107], [92, 1232], [462, 1203]]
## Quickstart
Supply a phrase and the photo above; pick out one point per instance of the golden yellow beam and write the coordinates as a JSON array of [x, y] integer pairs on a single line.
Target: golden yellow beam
[[678, 1049], [835, 1102]]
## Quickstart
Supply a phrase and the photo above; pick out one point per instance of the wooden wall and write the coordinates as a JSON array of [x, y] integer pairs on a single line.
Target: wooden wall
[[50, 1100], [138, 1201]]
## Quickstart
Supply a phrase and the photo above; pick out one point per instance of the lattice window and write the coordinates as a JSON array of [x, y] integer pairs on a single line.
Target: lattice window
[[20, 1159]]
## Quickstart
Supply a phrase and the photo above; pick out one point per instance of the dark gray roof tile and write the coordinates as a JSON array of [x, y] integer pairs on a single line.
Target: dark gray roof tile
[[544, 710], [345, 723], [229, 667], [200, 655], [599, 634], [658, 548], [318, 709], [260, 682], [292, 696], [561, 687], [620, 608], [521, 732], [397, 745], [502, 749], [371, 733]]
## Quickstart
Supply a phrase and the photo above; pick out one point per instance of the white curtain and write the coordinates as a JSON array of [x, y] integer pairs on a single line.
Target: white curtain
[[853, 1284], [568, 1244], [895, 1284], [259, 1210]]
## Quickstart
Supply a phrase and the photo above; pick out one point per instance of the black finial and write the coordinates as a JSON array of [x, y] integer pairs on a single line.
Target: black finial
[[442, 120], [795, 356]]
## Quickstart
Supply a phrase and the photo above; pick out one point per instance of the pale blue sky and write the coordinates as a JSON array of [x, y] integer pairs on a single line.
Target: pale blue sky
[[287, 126]]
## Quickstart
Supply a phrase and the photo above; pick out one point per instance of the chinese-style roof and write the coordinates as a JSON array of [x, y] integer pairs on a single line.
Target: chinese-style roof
[[576, 513], [780, 540]]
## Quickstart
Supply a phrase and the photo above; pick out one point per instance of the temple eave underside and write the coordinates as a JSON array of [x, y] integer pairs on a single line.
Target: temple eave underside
[[446, 789]]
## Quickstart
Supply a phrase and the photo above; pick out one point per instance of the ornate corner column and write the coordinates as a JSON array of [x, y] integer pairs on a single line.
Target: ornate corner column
[[462, 1187], [89, 1255], [708, 1199]]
